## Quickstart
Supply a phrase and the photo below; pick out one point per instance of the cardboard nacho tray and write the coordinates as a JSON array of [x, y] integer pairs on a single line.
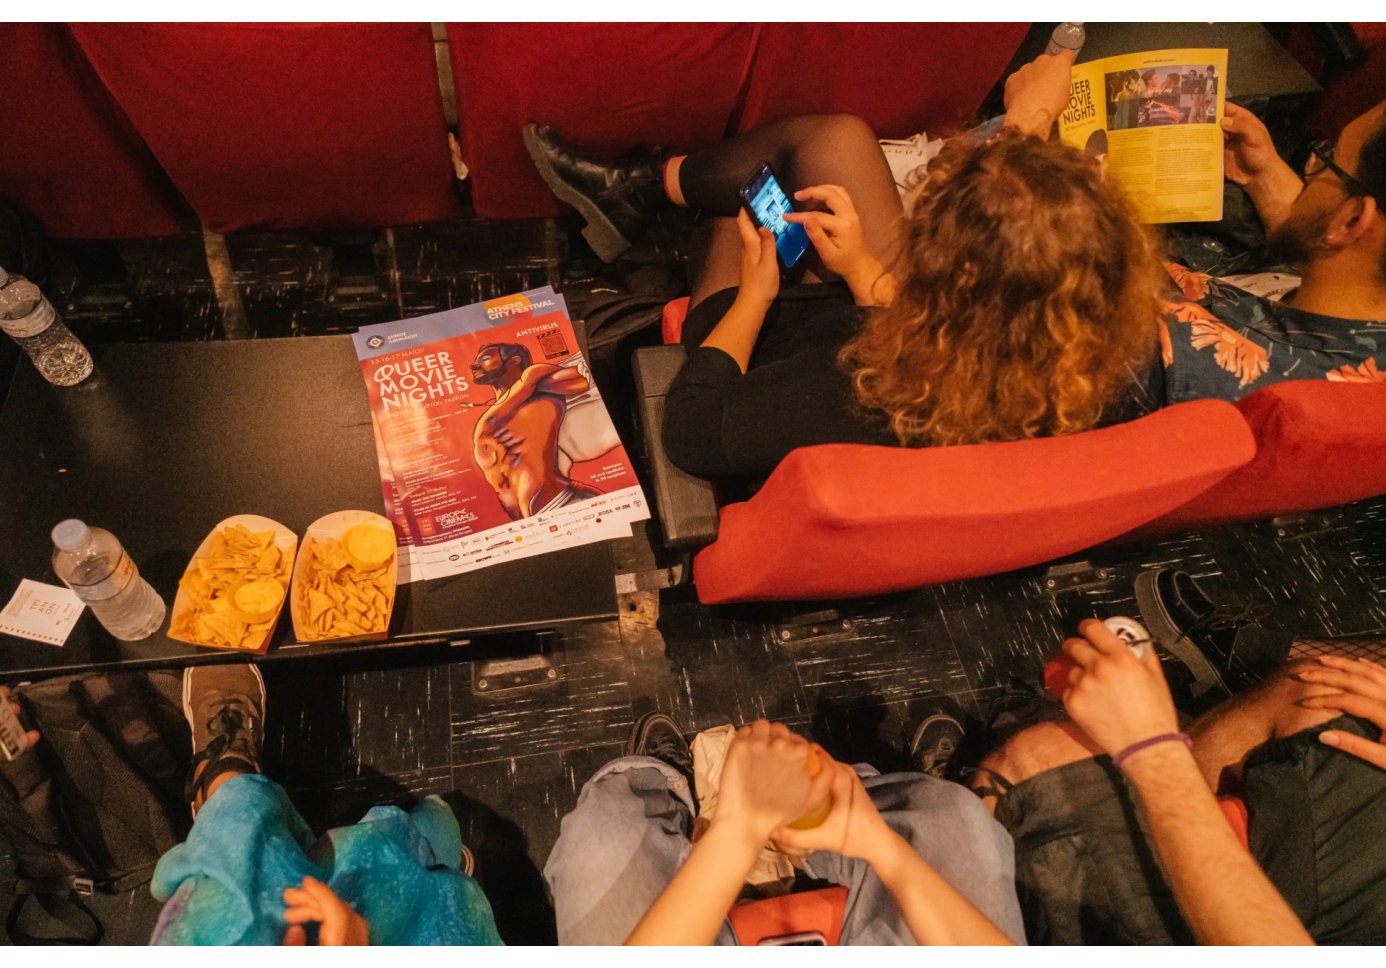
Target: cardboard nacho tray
[[305, 609]]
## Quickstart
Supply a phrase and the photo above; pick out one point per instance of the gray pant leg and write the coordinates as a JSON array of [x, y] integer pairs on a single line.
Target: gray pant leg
[[948, 826], [618, 850]]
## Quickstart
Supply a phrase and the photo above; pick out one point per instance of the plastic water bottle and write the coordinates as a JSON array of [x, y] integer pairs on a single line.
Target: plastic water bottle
[[1066, 36], [92, 563], [32, 322]]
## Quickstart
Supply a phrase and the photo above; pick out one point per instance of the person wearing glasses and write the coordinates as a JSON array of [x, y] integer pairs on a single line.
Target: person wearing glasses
[[1224, 342]]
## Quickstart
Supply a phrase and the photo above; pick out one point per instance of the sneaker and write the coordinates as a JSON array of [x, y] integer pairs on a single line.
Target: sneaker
[[617, 199], [225, 707], [1224, 647], [935, 741], [657, 735]]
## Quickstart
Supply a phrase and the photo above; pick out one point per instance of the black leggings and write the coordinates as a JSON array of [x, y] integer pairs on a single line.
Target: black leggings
[[824, 149]]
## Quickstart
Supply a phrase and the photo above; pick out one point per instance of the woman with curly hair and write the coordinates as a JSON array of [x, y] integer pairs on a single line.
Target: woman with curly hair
[[1020, 298]]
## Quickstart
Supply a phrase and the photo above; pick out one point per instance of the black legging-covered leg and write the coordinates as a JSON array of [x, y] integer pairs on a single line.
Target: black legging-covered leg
[[825, 149]]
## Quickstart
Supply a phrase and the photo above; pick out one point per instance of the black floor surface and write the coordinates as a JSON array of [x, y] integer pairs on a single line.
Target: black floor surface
[[347, 734]]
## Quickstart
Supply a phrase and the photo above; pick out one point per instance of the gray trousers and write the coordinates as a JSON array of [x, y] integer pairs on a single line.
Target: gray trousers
[[628, 836]]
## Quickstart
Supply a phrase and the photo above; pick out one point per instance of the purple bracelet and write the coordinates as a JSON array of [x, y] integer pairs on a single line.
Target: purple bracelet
[[1135, 748]]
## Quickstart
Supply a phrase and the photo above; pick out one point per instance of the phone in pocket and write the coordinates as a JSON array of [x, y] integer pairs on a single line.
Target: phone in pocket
[[798, 939], [767, 204]]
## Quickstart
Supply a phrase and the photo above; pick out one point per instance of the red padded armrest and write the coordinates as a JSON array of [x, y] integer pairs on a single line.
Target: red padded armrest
[[843, 519]]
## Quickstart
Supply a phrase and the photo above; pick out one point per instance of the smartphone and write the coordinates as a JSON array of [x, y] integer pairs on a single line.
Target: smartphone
[[767, 205], [12, 738], [797, 940]]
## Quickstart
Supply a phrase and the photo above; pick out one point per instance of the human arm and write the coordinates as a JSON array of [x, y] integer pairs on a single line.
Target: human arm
[[1250, 160], [1037, 94], [765, 783], [314, 902], [564, 381], [1361, 686], [841, 245], [935, 912], [1120, 700], [735, 334]]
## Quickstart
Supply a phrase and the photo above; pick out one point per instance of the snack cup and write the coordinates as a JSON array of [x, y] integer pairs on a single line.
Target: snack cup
[[284, 539], [334, 527]]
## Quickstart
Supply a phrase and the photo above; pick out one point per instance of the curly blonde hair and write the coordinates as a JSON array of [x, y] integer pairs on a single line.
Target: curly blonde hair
[[1025, 289]]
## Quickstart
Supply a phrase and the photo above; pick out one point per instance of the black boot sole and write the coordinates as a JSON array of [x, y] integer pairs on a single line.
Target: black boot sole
[[1207, 682], [600, 232]]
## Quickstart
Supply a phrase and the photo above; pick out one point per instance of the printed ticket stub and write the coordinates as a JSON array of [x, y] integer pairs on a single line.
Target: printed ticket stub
[[44, 613]]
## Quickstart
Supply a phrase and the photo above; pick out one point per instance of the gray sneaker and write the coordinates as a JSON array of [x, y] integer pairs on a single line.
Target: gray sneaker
[[934, 743], [225, 708]]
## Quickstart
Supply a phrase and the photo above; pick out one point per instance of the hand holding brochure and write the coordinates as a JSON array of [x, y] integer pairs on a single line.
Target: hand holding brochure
[[1155, 120]]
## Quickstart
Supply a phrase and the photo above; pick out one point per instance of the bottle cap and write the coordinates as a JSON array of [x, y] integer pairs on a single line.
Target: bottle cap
[[71, 534]]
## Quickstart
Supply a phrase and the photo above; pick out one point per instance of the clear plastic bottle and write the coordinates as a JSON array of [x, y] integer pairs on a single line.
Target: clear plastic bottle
[[92, 563], [32, 322], [1067, 36]]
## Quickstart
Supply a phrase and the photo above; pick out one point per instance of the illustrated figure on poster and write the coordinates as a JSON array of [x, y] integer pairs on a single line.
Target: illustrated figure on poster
[[538, 427]]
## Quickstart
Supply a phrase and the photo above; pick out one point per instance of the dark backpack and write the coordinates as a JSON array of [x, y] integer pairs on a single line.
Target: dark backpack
[[96, 803]]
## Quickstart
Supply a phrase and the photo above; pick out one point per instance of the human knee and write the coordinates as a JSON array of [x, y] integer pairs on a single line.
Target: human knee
[[845, 133]]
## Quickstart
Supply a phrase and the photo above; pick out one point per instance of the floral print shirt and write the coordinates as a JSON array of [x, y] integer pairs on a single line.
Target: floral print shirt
[[1222, 342]]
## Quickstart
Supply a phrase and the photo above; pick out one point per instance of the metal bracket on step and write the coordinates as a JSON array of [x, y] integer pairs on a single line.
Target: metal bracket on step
[[813, 625], [1074, 576], [647, 581], [502, 675], [1296, 527]]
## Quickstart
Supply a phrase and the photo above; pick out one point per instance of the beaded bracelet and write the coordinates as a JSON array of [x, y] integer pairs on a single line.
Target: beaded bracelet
[[1135, 748]]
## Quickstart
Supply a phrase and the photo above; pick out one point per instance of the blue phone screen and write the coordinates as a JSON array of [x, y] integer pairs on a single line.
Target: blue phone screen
[[769, 204]]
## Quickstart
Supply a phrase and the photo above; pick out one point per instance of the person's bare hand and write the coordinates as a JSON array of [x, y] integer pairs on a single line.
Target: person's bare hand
[[853, 828], [1114, 697], [1361, 686], [1038, 93], [837, 234], [337, 923], [1249, 152], [760, 271], [765, 781], [32, 736]]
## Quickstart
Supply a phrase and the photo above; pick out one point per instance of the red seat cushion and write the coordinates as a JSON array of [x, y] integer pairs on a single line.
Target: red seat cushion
[[900, 78], [607, 87], [286, 126], [841, 520], [70, 156], [671, 320], [1350, 94], [1318, 444]]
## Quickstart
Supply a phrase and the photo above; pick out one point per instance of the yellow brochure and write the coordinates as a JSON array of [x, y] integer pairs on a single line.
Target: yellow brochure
[[1155, 118]]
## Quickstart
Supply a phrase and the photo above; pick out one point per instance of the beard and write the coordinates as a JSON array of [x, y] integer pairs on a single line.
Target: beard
[[1296, 240]]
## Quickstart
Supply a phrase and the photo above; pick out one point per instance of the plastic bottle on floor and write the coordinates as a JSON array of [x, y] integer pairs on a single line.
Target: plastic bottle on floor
[[92, 563], [32, 322], [1067, 36]]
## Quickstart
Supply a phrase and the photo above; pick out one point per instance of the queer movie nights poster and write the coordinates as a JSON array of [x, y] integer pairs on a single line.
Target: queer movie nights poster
[[497, 440]]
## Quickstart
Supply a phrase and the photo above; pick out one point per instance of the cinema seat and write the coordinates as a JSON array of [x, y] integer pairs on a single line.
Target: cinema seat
[[841, 520], [70, 157], [608, 87], [901, 78], [1318, 444], [288, 125]]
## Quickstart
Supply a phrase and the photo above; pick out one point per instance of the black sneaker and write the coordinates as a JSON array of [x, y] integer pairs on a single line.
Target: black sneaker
[[657, 735], [935, 741], [617, 199], [1224, 647], [225, 707]]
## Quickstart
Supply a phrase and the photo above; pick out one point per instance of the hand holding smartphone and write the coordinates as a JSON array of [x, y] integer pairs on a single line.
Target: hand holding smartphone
[[767, 204]]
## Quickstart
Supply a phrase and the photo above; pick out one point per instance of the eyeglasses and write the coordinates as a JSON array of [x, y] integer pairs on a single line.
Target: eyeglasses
[[1321, 159]]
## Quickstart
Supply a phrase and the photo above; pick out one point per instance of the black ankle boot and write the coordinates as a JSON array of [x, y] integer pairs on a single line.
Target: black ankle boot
[[617, 199]]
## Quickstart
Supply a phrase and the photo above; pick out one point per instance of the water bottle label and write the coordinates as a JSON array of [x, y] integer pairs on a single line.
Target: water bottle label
[[110, 586], [31, 325]]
